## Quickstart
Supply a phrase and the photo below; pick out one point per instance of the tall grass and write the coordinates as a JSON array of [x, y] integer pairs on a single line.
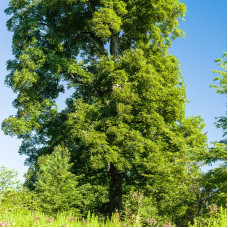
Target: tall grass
[[27, 218], [22, 210], [217, 218]]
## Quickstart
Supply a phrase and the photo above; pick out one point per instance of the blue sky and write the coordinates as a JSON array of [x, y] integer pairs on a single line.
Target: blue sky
[[206, 39]]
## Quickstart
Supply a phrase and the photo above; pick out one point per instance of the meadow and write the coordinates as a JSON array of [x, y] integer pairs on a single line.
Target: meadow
[[26, 218], [19, 215]]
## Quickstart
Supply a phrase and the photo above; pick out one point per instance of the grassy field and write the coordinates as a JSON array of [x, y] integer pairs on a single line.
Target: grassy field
[[27, 218], [20, 209]]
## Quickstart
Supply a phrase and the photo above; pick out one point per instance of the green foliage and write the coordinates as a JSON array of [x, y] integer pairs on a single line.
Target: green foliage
[[215, 181], [56, 185], [222, 87], [15, 200], [8, 180], [215, 218], [20, 209], [22, 217], [124, 125], [215, 184], [142, 211], [27, 218]]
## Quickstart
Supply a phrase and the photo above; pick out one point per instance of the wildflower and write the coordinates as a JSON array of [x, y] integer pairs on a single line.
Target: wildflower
[[71, 219], [151, 221], [168, 225], [36, 218], [50, 219], [3, 224]]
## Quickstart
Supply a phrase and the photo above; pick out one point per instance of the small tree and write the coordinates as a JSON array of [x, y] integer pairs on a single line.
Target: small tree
[[8, 179], [56, 185]]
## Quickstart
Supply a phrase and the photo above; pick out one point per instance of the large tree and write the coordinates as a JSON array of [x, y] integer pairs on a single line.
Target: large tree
[[125, 122]]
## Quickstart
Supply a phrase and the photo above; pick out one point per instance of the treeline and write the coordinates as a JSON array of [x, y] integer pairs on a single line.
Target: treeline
[[123, 144]]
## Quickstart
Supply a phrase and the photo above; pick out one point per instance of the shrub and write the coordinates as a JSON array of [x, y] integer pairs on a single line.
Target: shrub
[[140, 210], [217, 217], [13, 200]]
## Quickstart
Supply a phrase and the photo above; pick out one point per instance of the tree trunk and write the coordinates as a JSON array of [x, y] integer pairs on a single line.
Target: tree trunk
[[114, 46], [115, 190]]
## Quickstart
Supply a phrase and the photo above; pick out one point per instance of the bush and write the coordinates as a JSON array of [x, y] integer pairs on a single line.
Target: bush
[[14, 200], [217, 217], [140, 210]]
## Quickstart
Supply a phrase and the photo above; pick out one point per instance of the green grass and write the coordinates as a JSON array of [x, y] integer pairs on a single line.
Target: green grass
[[23, 217], [26, 218]]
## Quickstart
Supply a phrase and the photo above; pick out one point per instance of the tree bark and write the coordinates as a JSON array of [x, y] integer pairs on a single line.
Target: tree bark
[[116, 177], [115, 190], [114, 46]]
